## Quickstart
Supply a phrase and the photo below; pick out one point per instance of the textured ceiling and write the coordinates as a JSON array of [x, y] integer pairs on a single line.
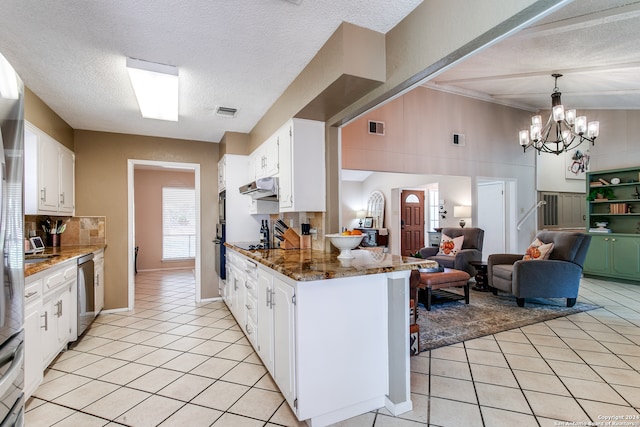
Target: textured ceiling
[[241, 54], [595, 44], [245, 53]]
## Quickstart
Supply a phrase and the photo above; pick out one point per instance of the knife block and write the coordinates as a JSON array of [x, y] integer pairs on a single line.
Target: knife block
[[291, 240], [305, 241]]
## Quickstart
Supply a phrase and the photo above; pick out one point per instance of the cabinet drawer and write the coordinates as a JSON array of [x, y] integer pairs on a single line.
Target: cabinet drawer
[[252, 308], [54, 279], [33, 291]]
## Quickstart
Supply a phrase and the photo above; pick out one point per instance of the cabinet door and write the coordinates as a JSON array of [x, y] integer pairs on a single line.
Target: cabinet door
[[48, 184], [49, 335], [598, 258], [285, 182], [265, 319], [284, 339], [33, 347], [625, 255], [67, 174], [271, 162], [63, 316]]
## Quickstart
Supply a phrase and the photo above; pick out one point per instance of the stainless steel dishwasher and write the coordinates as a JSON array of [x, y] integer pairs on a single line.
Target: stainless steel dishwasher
[[86, 293]]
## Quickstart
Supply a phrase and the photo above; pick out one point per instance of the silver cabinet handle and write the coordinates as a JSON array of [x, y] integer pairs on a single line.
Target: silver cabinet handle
[[46, 322], [43, 194]]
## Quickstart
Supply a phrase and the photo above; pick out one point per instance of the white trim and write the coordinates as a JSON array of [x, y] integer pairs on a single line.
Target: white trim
[[195, 167], [208, 300], [114, 310]]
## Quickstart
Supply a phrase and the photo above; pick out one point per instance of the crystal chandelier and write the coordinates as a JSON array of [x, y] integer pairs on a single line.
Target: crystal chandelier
[[563, 131]]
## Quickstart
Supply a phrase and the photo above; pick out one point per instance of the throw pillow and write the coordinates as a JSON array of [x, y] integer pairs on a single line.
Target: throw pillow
[[538, 251], [450, 246]]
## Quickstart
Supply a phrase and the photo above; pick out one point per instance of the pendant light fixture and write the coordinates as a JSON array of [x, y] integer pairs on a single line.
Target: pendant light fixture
[[563, 130]]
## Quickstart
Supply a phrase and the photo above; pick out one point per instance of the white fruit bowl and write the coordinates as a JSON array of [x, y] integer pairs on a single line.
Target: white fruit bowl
[[345, 244]]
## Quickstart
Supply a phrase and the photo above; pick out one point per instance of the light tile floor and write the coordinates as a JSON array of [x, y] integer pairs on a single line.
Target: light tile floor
[[174, 363]]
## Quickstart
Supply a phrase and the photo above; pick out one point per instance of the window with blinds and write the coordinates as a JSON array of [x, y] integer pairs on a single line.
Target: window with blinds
[[178, 223]]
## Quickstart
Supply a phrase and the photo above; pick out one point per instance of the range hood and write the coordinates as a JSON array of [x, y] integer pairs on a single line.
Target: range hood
[[262, 188]]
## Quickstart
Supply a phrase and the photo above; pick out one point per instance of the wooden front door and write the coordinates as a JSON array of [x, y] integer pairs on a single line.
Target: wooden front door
[[412, 221]]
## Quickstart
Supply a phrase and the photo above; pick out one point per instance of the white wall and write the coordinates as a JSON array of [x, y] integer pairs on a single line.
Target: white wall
[[616, 147], [418, 140], [455, 190]]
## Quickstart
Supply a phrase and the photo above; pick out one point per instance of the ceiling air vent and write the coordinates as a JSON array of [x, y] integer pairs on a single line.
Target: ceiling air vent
[[226, 111], [376, 127]]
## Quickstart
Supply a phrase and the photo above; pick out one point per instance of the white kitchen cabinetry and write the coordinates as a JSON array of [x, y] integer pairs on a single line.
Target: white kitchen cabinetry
[[98, 279], [50, 318], [265, 159], [33, 348], [284, 355], [302, 166], [60, 300], [307, 336], [49, 187], [265, 318], [263, 207]]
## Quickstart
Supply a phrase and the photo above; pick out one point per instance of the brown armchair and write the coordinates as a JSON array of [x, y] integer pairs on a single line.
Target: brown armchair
[[471, 250], [556, 277]]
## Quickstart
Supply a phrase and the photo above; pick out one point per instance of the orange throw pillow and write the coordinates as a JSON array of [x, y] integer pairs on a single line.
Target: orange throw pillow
[[450, 246], [538, 251]]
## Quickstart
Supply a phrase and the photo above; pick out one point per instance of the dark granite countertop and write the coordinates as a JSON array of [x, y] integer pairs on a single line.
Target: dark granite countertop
[[64, 253], [304, 265]]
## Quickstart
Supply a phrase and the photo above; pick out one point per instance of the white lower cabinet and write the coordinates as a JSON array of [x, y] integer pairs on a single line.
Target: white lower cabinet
[[284, 355], [33, 347], [263, 306], [310, 340], [50, 318]]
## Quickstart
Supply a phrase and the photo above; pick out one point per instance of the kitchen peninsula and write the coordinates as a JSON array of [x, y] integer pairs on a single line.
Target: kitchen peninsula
[[332, 333]]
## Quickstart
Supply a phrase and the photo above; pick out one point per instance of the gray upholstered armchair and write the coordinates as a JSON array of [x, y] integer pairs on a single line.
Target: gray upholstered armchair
[[471, 250], [556, 277]]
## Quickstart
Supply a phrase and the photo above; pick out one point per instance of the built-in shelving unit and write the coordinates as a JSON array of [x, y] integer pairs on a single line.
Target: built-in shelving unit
[[616, 253]]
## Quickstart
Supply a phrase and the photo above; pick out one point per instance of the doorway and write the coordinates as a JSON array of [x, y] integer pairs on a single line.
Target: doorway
[[411, 221], [131, 233], [496, 213]]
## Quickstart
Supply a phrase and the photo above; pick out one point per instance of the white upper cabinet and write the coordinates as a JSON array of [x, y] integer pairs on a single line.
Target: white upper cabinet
[[302, 186], [265, 158], [49, 175]]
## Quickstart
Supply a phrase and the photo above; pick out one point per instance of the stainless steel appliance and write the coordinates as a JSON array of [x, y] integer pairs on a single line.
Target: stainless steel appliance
[[219, 252], [11, 246], [262, 188], [86, 293], [222, 207]]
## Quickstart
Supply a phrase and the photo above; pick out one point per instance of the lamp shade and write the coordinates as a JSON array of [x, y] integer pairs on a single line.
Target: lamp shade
[[462, 211]]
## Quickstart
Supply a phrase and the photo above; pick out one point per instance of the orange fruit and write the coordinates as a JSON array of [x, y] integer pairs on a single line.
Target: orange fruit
[[356, 232]]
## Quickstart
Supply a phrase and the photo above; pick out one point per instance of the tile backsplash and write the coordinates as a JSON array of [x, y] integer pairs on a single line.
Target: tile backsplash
[[80, 230]]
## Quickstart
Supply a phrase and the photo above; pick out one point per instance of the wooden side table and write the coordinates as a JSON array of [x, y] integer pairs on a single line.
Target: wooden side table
[[481, 276]]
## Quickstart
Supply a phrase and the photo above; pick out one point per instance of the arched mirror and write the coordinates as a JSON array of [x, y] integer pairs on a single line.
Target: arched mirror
[[375, 208]]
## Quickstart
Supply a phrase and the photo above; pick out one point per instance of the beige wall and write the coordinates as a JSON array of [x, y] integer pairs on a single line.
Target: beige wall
[[148, 215], [44, 118], [418, 139], [101, 189]]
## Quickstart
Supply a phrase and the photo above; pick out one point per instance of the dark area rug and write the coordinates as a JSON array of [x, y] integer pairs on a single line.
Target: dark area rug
[[454, 321]]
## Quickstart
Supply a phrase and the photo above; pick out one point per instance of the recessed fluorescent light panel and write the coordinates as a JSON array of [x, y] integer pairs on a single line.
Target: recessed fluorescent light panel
[[8, 80], [156, 88]]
